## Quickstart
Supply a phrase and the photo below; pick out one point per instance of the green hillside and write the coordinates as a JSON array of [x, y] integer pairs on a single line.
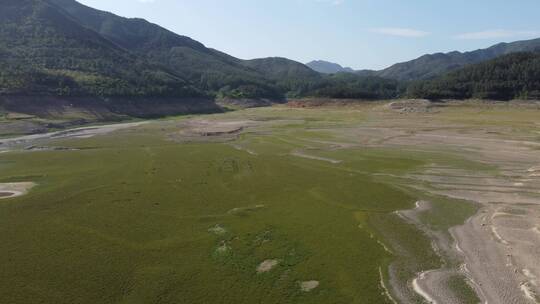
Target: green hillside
[[45, 52], [64, 48], [508, 77], [434, 65]]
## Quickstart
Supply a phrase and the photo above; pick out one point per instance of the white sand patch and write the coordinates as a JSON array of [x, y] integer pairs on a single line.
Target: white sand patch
[[242, 209], [308, 286], [223, 248], [313, 157], [383, 286], [531, 276], [534, 169], [11, 190], [504, 214], [458, 249], [463, 268], [267, 266], [527, 290], [498, 236], [241, 148], [384, 247], [217, 230], [419, 290]]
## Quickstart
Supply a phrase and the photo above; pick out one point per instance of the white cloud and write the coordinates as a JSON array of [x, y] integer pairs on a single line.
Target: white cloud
[[400, 32], [494, 34]]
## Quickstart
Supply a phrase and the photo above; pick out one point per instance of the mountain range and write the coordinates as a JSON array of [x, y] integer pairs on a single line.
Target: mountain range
[[326, 67], [64, 48], [433, 65], [511, 76]]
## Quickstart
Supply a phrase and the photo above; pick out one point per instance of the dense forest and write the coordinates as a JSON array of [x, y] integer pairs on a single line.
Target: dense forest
[[508, 77]]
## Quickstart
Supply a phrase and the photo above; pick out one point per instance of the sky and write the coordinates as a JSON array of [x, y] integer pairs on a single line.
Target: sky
[[362, 34]]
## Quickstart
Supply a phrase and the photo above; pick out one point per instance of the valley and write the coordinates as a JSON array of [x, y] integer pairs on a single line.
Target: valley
[[366, 202], [141, 166]]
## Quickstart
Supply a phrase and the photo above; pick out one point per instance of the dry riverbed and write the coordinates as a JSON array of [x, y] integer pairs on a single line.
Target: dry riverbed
[[496, 250], [500, 245]]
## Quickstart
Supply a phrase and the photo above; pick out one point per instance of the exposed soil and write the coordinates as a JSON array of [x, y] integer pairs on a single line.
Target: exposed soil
[[500, 251], [267, 266], [308, 286], [218, 230], [11, 190], [499, 247], [85, 132], [210, 130], [325, 159]]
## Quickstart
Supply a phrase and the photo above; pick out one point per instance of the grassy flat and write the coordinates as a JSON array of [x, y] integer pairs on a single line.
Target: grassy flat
[[135, 217]]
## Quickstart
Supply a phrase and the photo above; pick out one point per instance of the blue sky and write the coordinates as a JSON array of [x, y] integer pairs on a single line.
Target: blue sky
[[358, 33]]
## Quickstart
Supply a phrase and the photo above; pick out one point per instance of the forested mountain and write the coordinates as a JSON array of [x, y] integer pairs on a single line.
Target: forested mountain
[[326, 67], [348, 85], [45, 51], [61, 47], [64, 48], [207, 69], [431, 66], [511, 76]]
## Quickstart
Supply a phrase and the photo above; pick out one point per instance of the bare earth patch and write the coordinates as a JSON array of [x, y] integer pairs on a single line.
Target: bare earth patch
[[217, 230], [313, 157], [498, 249], [245, 209], [10, 190], [223, 248], [267, 266], [84, 132], [308, 286]]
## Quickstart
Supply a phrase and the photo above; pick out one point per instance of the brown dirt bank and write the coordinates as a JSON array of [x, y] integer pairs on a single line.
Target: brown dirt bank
[[39, 114], [99, 107], [410, 105], [326, 102]]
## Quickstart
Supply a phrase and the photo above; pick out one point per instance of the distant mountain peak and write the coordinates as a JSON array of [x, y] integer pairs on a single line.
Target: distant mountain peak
[[327, 67]]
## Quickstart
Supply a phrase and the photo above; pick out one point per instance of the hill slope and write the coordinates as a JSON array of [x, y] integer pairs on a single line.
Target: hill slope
[[326, 67], [507, 77], [208, 69], [433, 65], [166, 54], [44, 51]]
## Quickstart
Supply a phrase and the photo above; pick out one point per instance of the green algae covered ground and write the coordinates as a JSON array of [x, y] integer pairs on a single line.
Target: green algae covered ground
[[143, 215]]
